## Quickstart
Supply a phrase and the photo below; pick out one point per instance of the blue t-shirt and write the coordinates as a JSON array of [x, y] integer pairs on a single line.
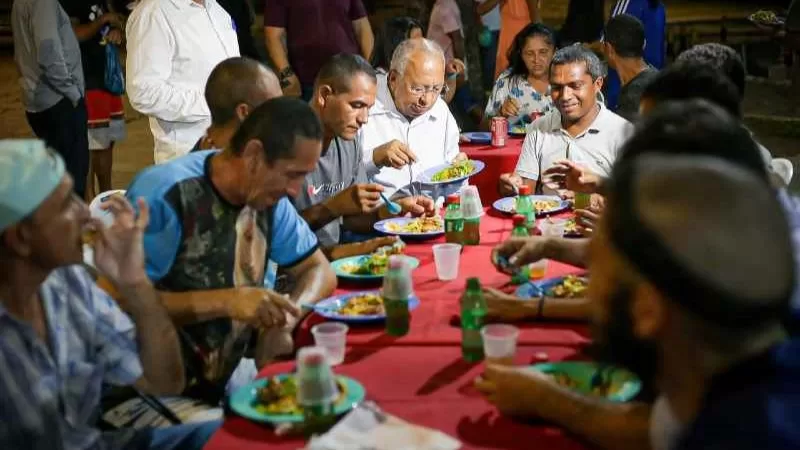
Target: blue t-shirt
[[655, 34], [754, 405], [196, 240]]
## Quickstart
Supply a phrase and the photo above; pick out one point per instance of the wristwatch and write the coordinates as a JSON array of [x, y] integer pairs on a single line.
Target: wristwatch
[[284, 75]]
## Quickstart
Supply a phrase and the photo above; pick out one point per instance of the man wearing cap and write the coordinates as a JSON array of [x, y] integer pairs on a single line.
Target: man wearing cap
[[221, 227], [61, 337]]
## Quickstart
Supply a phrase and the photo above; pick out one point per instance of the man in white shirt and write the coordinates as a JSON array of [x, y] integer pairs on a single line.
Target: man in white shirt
[[410, 127], [581, 129], [173, 45]]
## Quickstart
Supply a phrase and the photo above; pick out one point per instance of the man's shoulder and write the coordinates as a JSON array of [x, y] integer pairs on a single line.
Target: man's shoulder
[[157, 180], [614, 123]]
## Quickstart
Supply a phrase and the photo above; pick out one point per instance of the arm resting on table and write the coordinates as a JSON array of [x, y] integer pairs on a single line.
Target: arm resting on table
[[574, 252]]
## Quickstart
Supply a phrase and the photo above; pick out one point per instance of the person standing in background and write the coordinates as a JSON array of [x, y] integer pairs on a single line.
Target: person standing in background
[[301, 35], [173, 45], [514, 16], [624, 49], [48, 58], [95, 27], [584, 22], [243, 16], [489, 12]]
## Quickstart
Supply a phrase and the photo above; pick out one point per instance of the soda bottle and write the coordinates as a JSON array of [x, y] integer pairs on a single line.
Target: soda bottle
[[473, 312], [520, 226], [317, 390], [397, 288], [525, 206], [453, 219]]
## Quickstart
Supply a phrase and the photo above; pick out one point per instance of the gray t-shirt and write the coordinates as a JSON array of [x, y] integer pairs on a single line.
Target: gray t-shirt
[[339, 168], [631, 94]]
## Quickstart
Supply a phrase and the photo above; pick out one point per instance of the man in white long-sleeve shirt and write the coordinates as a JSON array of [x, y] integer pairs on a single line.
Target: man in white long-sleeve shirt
[[173, 45]]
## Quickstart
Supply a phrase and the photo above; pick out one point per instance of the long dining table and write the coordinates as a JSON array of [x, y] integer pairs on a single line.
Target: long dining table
[[421, 377]]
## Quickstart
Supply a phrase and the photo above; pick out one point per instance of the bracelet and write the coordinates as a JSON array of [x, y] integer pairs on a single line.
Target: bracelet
[[285, 73], [540, 312]]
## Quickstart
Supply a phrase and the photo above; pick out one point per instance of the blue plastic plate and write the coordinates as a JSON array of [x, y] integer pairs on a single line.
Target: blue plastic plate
[[339, 264], [383, 227], [624, 385], [328, 308], [536, 289], [425, 177], [478, 137], [243, 400], [508, 205]]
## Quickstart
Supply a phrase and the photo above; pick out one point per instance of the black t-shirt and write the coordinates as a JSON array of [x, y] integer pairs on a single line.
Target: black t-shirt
[[93, 54]]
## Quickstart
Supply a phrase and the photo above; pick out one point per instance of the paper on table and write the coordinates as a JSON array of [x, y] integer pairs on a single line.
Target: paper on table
[[366, 427]]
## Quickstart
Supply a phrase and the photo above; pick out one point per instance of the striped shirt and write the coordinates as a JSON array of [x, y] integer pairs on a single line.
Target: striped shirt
[[50, 394]]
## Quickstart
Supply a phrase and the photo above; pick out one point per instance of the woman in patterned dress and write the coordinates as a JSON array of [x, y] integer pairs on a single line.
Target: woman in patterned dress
[[522, 92]]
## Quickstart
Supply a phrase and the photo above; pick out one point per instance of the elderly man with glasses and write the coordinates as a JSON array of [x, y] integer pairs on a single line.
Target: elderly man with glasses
[[410, 127]]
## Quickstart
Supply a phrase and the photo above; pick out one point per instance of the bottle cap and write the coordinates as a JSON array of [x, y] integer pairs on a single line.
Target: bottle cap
[[473, 284], [524, 190], [453, 199], [518, 219]]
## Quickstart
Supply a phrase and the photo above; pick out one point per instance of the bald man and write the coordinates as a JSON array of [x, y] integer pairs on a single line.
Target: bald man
[[235, 87]]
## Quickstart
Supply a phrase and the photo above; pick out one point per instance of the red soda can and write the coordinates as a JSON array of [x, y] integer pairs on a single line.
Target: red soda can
[[499, 131]]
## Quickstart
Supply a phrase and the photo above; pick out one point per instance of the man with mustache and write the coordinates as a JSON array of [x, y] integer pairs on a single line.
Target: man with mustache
[[580, 130]]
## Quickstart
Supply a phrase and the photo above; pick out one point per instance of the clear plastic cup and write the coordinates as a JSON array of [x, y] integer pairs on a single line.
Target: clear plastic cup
[[447, 258], [553, 227], [331, 336], [500, 343], [471, 205], [315, 381], [538, 269]]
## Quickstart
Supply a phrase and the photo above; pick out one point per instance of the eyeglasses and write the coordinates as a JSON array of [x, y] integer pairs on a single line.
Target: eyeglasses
[[419, 91]]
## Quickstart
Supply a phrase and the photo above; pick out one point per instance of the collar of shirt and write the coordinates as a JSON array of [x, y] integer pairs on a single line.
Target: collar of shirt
[[384, 105]]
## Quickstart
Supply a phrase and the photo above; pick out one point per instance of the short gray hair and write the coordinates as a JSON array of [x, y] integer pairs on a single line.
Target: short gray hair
[[403, 51], [577, 53]]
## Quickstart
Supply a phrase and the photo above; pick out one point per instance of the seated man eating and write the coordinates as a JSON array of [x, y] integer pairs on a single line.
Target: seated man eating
[[581, 129], [221, 226], [410, 127], [338, 194], [62, 339]]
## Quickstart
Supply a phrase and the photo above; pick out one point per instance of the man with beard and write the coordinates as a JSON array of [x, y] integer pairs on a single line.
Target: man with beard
[[689, 128], [338, 195], [581, 129]]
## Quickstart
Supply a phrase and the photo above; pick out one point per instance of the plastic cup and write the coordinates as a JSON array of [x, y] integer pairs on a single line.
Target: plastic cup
[[471, 205], [553, 227], [332, 337], [315, 381], [500, 343], [538, 269], [447, 258]]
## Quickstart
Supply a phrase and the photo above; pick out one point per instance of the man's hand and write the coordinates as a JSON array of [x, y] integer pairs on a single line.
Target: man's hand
[[566, 174], [261, 308], [587, 219], [510, 108], [292, 89], [513, 390], [361, 248], [113, 19], [455, 67], [393, 154], [417, 206], [115, 36], [520, 251], [502, 307], [509, 184], [461, 157], [119, 249], [356, 200]]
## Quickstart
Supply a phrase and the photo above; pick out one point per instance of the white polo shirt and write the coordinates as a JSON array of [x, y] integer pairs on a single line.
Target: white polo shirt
[[596, 148], [433, 137], [173, 45]]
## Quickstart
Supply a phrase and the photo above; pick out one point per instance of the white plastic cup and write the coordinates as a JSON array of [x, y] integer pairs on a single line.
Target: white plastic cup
[[471, 205], [553, 227], [96, 210], [331, 336], [500, 343], [447, 258]]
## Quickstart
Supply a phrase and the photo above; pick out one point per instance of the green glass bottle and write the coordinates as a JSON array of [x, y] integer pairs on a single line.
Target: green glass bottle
[[473, 314], [525, 206]]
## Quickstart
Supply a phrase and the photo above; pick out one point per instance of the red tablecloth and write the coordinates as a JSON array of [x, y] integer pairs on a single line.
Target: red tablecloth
[[429, 386], [498, 160]]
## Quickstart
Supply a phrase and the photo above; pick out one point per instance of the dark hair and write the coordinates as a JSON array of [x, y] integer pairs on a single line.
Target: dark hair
[[340, 70], [577, 53], [277, 123], [720, 57], [394, 31], [626, 34], [514, 55], [695, 127], [691, 79], [232, 82]]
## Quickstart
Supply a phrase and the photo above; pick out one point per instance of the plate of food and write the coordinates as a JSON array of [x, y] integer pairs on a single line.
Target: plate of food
[[451, 173], [419, 227], [274, 399], [570, 286], [367, 267], [767, 18], [477, 137], [357, 307], [616, 384], [544, 204], [518, 130]]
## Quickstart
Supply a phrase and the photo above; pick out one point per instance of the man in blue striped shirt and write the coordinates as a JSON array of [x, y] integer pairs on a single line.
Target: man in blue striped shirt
[[61, 337]]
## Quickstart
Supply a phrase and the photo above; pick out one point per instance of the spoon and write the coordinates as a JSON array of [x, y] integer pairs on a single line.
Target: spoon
[[393, 207]]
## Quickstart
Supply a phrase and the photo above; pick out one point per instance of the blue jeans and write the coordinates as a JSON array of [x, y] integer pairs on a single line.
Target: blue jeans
[[190, 436]]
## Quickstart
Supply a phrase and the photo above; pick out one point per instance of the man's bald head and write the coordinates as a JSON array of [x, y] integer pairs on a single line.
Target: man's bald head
[[416, 77], [236, 86]]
